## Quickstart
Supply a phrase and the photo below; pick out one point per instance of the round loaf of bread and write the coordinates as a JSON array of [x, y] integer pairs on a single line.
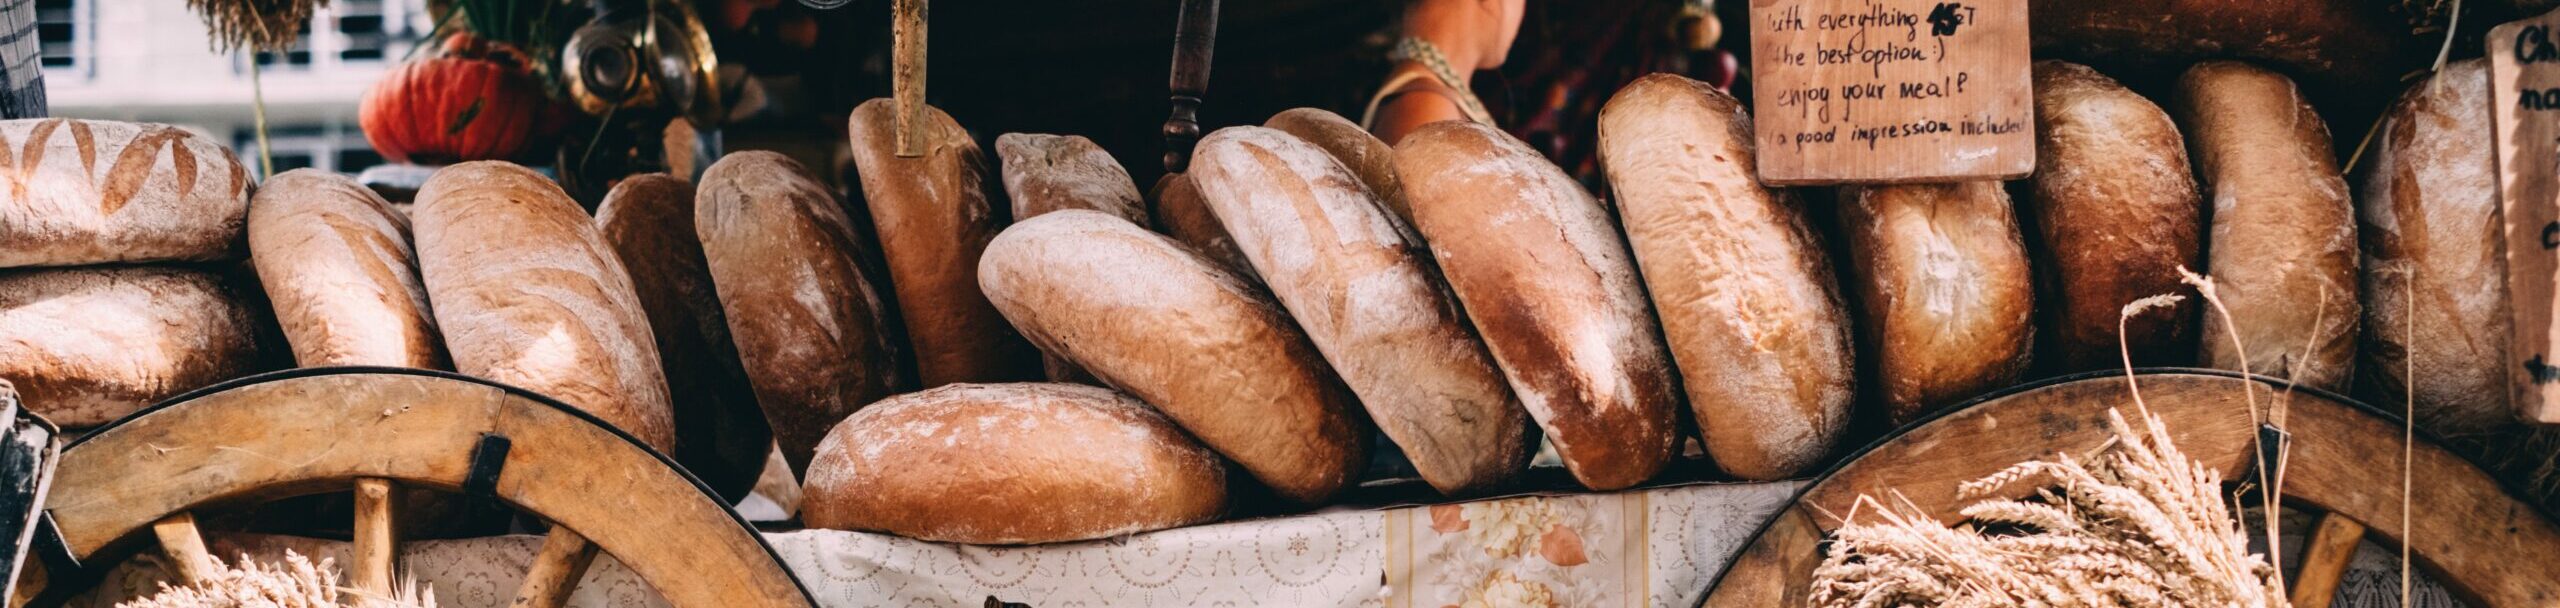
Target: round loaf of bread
[[1011, 464], [1541, 271], [336, 264], [1152, 318], [2283, 257], [527, 293], [807, 323], [100, 192], [934, 219], [1044, 173], [2435, 272], [1364, 154], [88, 345], [720, 434], [1947, 297], [1179, 213], [1366, 295], [1745, 292], [2117, 214]]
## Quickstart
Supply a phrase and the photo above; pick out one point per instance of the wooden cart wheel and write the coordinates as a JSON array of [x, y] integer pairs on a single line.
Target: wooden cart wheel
[[2480, 542], [316, 430]]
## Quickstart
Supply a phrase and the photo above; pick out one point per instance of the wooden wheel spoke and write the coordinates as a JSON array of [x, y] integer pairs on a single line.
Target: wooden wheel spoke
[[183, 544], [2324, 560], [376, 541], [556, 570]]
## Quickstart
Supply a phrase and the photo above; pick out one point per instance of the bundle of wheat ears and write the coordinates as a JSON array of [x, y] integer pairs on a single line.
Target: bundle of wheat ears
[[297, 583], [2134, 524]]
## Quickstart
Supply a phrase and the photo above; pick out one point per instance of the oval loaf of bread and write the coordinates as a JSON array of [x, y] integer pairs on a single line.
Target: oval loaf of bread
[[1011, 464], [1358, 150], [96, 192], [2117, 213], [1541, 271], [336, 264], [2283, 257], [934, 219], [1744, 290], [807, 323], [88, 345], [2435, 273], [1155, 319], [528, 293], [1366, 295], [1947, 297], [720, 434]]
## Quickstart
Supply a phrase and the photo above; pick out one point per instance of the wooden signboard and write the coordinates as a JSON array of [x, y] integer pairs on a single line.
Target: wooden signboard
[[1891, 91], [2524, 74]]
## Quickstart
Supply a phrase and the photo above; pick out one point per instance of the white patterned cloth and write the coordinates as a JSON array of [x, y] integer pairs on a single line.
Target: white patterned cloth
[[1657, 547]]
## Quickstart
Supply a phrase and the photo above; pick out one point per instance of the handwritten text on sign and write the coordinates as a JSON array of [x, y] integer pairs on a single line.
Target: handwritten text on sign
[[2524, 72], [1891, 90]]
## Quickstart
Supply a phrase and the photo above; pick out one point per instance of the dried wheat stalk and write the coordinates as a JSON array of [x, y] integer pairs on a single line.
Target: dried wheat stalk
[[297, 583]]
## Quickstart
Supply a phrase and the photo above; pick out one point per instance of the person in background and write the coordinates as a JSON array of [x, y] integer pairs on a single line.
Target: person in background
[[1444, 43]]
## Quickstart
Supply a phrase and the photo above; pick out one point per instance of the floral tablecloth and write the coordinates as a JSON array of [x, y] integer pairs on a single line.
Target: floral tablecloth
[[1655, 547]]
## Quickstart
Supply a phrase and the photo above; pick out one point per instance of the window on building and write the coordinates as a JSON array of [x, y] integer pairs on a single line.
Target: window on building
[[58, 32], [333, 146], [364, 28], [357, 32], [298, 55]]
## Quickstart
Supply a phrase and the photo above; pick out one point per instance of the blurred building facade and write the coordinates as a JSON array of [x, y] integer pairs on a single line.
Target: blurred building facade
[[153, 61]]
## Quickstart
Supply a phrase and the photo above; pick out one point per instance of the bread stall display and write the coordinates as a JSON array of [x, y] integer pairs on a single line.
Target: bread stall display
[[1627, 324]]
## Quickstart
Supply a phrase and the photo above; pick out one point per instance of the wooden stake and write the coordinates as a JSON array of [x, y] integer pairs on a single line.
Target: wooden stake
[[906, 84], [376, 544], [2324, 560], [555, 572], [184, 545]]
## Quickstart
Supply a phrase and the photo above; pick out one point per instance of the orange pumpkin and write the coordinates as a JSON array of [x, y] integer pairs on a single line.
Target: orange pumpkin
[[473, 100]]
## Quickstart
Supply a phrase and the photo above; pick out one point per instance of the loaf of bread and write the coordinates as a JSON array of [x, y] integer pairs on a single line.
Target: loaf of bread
[[807, 323], [527, 293], [2117, 214], [1947, 300], [1011, 464], [2283, 257], [1044, 173], [934, 219], [2436, 322], [76, 192], [335, 262], [89, 345], [1541, 271], [1366, 294], [1363, 153], [1744, 289], [721, 435], [1179, 213], [1156, 320]]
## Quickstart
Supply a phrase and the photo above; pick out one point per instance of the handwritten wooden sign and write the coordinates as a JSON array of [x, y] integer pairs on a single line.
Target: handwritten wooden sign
[[2524, 75], [1891, 91]]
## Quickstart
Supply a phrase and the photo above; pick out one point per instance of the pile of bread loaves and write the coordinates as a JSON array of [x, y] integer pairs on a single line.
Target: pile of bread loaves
[[1301, 285]]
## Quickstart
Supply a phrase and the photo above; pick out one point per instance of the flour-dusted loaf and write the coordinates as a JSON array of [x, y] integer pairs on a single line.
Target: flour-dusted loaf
[[1946, 297], [527, 293], [75, 192], [807, 323], [1541, 271], [1044, 173], [1745, 292], [1012, 464], [336, 264], [1365, 292], [1364, 154], [934, 217], [2433, 259], [2117, 214], [721, 435], [1151, 317], [88, 345], [2283, 253], [1179, 213]]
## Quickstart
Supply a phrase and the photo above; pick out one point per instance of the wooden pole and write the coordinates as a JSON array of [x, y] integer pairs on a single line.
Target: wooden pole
[[1195, 38], [906, 84], [376, 543]]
